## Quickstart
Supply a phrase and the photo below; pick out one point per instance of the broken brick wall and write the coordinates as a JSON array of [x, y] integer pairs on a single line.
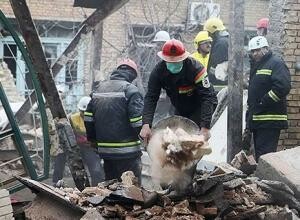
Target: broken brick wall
[[285, 39], [61, 10]]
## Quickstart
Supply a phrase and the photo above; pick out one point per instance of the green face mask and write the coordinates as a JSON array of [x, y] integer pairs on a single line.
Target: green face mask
[[174, 68]]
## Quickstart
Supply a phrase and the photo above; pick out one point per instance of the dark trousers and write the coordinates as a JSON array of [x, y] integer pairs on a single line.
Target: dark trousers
[[90, 159], [113, 169], [265, 141]]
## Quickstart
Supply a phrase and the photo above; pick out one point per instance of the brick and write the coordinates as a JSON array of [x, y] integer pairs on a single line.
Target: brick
[[292, 110], [296, 97], [291, 32], [289, 51], [293, 123], [297, 52], [290, 142], [293, 103], [293, 116], [290, 58]]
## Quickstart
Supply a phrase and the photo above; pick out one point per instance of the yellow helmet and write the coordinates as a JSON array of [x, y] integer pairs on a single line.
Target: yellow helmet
[[214, 24], [202, 36]]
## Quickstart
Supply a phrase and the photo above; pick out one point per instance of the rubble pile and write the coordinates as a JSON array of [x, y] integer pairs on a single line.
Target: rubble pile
[[225, 193]]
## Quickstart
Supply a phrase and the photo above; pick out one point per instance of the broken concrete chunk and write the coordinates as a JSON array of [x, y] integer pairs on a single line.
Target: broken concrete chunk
[[128, 179], [95, 200], [74, 198], [246, 164], [283, 166], [278, 185], [92, 214], [281, 197], [181, 209], [96, 191], [233, 183]]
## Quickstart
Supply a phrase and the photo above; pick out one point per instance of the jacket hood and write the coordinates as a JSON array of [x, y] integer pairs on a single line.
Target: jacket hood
[[123, 73]]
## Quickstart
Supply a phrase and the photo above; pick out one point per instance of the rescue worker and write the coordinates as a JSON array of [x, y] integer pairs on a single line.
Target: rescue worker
[[186, 83], [202, 44], [89, 157], [164, 107], [161, 37], [218, 61], [262, 27], [113, 121], [269, 84]]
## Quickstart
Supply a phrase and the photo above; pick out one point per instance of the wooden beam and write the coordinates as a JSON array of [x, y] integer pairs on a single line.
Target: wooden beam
[[235, 79]]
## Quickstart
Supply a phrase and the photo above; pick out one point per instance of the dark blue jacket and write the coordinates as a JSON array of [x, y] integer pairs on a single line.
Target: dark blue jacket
[[114, 116], [269, 84], [190, 92]]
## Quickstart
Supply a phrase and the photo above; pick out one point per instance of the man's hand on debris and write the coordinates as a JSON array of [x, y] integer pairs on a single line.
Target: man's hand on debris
[[206, 133], [145, 133], [246, 139]]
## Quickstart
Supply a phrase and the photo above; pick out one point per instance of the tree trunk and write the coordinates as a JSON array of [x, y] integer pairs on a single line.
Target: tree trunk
[[235, 79], [97, 37]]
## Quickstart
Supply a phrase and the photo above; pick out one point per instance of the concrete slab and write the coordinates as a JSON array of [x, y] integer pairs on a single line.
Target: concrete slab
[[282, 166]]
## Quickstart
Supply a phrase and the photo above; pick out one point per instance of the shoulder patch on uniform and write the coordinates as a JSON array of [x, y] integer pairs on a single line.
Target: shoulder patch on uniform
[[205, 82]]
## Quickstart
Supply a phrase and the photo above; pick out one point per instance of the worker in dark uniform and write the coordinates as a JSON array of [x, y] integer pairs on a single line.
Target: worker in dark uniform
[[113, 120], [269, 84], [186, 83], [218, 61]]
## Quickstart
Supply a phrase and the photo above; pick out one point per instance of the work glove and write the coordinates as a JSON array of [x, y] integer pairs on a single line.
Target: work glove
[[145, 133], [246, 139]]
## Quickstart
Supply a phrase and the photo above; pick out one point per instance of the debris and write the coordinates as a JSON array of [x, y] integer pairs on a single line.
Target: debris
[[246, 164], [128, 179], [280, 197], [222, 193], [245, 213], [233, 183], [95, 200], [92, 214], [283, 166]]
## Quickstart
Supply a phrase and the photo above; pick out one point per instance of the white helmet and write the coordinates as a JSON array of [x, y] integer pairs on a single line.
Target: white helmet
[[257, 43], [83, 103], [161, 36]]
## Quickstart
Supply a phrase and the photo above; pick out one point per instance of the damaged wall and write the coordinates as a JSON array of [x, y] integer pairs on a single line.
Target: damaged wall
[[285, 19], [8, 84], [62, 10], [118, 26]]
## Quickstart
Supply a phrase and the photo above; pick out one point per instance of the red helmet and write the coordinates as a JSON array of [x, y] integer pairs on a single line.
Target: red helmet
[[130, 63], [263, 23], [173, 51]]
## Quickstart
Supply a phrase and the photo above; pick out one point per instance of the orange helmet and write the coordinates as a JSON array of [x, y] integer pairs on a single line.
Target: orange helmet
[[173, 51], [262, 23], [130, 63]]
